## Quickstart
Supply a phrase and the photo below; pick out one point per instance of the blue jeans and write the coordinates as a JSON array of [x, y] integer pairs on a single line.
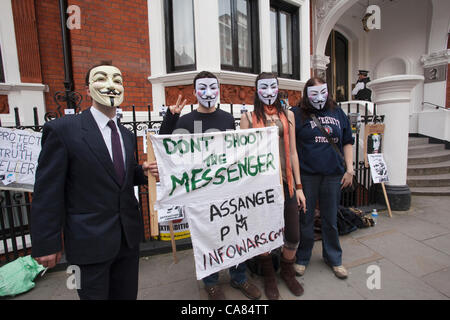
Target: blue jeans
[[237, 274], [326, 190]]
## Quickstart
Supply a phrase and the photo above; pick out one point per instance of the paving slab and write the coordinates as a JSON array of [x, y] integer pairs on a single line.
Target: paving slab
[[177, 290], [417, 228], [409, 254], [440, 280], [320, 283], [161, 269], [421, 202], [439, 216], [45, 287], [355, 253], [441, 243], [396, 284]]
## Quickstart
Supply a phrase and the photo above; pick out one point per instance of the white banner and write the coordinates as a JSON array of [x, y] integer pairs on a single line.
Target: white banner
[[195, 168], [229, 184], [19, 153], [230, 231]]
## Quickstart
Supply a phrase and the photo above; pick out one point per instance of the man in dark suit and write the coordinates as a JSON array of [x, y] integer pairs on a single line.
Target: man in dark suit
[[84, 194]]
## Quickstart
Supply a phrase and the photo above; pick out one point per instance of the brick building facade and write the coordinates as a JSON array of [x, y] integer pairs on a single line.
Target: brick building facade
[[160, 45], [134, 36]]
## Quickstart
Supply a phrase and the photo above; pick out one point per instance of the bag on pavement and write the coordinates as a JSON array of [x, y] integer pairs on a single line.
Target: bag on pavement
[[17, 276]]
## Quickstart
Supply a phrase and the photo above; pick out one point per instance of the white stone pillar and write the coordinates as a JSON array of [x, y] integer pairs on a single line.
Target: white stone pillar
[[393, 97], [319, 64]]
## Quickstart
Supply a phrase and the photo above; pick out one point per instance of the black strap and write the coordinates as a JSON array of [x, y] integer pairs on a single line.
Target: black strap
[[329, 139]]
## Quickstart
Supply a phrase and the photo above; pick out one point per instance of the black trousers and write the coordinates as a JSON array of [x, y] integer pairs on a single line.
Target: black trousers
[[116, 279]]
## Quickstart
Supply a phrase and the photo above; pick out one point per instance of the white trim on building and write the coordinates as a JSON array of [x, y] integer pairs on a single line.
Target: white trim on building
[[208, 47], [24, 96]]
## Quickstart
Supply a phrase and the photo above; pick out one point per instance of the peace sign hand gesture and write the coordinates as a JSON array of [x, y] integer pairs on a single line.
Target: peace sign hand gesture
[[177, 108]]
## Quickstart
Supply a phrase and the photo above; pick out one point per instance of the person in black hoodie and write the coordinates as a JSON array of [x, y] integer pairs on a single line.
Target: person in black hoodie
[[323, 172]]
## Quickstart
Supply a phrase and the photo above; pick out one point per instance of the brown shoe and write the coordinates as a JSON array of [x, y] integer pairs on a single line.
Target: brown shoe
[[215, 293], [249, 290], [287, 273], [299, 269], [270, 280], [340, 272]]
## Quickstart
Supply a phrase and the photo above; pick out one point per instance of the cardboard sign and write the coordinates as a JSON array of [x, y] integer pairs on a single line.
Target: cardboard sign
[[19, 152], [373, 139], [180, 230], [378, 168], [171, 214], [229, 184]]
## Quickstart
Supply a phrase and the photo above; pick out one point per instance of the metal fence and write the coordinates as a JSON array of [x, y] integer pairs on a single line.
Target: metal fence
[[15, 205], [365, 192]]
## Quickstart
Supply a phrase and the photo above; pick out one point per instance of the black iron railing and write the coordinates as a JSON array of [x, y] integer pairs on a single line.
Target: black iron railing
[[15, 205]]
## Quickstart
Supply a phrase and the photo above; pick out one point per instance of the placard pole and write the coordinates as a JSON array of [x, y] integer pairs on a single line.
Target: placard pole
[[154, 226], [386, 198], [172, 240]]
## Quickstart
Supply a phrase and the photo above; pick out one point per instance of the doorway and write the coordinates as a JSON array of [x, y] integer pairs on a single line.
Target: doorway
[[337, 71]]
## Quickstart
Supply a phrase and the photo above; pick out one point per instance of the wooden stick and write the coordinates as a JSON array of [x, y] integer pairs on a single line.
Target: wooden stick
[[387, 200], [154, 226], [172, 240]]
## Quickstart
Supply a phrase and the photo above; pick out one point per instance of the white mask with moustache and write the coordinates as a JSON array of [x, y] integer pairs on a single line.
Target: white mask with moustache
[[318, 96], [267, 90], [106, 85], [207, 91]]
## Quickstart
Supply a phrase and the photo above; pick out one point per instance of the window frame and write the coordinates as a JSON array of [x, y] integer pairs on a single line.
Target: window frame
[[252, 8], [294, 11], [170, 38], [2, 70]]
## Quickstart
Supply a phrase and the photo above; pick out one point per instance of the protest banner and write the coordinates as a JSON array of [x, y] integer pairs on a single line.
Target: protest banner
[[19, 153], [229, 185]]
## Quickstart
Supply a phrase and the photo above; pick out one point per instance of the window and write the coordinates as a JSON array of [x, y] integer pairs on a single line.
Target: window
[[284, 23], [180, 39], [239, 42], [2, 74]]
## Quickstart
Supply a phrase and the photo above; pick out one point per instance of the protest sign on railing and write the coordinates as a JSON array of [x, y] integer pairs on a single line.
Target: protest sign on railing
[[19, 152], [229, 185]]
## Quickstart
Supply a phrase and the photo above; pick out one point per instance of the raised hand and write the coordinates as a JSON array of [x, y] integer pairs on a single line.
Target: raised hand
[[177, 108]]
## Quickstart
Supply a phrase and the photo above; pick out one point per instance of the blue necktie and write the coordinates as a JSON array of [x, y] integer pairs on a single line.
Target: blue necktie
[[117, 151]]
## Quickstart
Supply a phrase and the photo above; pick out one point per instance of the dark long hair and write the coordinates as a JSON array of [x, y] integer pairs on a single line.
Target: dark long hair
[[258, 105], [305, 106]]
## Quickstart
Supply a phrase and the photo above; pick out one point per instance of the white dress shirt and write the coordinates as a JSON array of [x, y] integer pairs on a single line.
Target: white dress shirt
[[102, 121]]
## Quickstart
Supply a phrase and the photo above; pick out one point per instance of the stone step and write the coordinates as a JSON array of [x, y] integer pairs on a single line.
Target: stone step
[[439, 180], [413, 141], [432, 157], [429, 169], [425, 149], [431, 191]]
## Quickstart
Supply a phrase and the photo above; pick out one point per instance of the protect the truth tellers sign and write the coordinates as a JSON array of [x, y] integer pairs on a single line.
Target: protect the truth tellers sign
[[19, 153]]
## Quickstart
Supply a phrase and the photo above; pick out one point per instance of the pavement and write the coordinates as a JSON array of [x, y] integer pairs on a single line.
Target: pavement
[[411, 249]]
